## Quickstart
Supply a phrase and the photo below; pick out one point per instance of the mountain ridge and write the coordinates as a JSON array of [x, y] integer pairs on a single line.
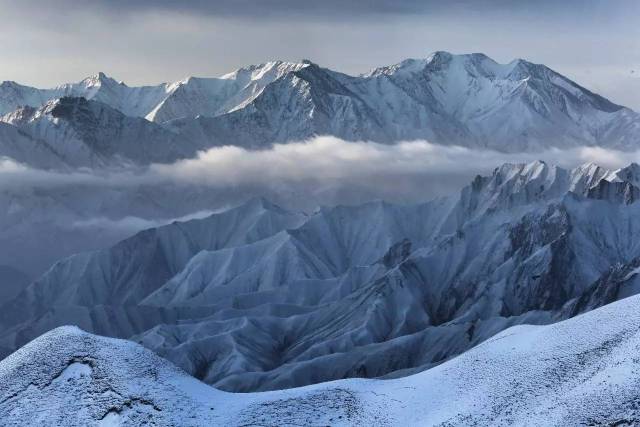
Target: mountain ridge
[[258, 297], [468, 100]]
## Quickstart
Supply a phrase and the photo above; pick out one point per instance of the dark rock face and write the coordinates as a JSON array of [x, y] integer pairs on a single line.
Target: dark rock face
[[397, 253], [616, 192]]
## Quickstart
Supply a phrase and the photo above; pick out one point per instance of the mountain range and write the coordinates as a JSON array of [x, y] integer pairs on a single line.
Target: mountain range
[[100, 125], [259, 298], [468, 100], [511, 301]]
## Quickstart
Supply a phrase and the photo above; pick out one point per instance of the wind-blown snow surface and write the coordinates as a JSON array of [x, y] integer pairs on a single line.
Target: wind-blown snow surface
[[583, 371], [259, 298], [468, 100]]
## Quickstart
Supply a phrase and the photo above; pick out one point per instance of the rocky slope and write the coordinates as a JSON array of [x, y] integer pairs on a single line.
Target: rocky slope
[[92, 134]]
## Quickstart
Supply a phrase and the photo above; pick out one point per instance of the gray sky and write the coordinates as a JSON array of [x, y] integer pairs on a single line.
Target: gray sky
[[44, 43]]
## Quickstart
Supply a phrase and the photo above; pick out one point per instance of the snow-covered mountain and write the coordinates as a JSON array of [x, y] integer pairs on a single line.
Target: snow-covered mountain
[[86, 133], [467, 100], [258, 298], [24, 148], [190, 97], [40, 224], [581, 371]]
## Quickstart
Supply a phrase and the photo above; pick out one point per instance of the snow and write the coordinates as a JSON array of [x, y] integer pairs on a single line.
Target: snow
[[259, 298], [483, 260], [632, 273], [467, 100], [189, 97], [73, 372], [581, 370]]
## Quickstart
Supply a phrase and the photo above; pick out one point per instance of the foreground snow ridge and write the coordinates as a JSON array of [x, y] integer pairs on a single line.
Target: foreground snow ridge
[[582, 371]]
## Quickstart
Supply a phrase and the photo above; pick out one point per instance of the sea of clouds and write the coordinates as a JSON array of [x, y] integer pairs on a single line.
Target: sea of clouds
[[321, 171], [46, 215]]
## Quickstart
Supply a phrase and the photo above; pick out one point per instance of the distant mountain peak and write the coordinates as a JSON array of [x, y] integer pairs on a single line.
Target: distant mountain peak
[[9, 84], [98, 79], [440, 55], [258, 71]]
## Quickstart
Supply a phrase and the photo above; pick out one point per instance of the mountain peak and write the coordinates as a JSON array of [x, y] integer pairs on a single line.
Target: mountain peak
[[9, 84], [275, 68], [440, 55], [629, 173], [98, 79], [467, 63], [462, 99]]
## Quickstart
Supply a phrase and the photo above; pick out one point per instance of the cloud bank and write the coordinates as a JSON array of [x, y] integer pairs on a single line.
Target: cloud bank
[[132, 224], [47, 215], [322, 171]]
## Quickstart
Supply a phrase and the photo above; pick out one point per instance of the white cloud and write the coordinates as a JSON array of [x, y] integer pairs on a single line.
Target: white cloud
[[324, 170], [85, 210], [328, 170], [132, 224]]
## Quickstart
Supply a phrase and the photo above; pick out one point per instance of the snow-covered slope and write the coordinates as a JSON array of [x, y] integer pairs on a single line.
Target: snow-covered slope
[[21, 147], [92, 134], [515, 106], [467, 100], [583, 371], [190, 97], [42, 224], [259, 298]]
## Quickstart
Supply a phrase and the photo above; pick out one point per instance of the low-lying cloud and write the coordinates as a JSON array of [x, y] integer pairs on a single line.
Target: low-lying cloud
[[132, 224], [321, 171], [410, 171], [47, 215]]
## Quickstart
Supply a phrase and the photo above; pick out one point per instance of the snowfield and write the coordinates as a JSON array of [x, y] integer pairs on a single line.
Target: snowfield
[[582, 371]]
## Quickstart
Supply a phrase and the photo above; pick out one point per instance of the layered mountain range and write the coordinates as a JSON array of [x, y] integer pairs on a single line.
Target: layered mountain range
[[258, 297], [430, 297], [467, 100]]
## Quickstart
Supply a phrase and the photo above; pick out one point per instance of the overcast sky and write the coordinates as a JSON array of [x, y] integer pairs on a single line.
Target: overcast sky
[[44, 43]]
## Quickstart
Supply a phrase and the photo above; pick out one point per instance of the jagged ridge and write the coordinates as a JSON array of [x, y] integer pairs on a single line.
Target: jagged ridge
[[260, 298], [467, 100]]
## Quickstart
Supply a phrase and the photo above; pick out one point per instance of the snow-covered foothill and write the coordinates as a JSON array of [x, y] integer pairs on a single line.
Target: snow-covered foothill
[[582, 371]]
